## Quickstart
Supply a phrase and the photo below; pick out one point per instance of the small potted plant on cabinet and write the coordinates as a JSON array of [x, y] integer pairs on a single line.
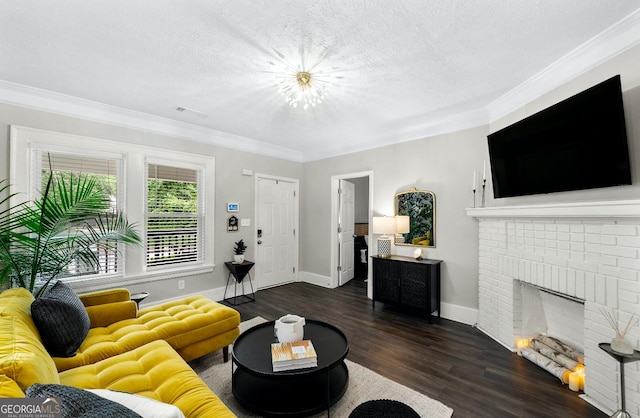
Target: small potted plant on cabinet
[[238, 252]]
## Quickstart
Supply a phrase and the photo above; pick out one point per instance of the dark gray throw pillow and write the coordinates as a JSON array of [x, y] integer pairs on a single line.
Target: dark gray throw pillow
[[78, 403], [61, 319]]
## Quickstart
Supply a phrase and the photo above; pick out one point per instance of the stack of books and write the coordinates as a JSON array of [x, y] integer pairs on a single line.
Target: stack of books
[[292, 356]]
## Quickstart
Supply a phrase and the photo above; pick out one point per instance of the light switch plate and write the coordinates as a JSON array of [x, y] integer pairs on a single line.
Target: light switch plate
[[245, 222]]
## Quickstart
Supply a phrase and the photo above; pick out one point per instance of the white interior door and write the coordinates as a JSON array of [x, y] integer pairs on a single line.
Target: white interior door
[[346, 222], [276, 239]]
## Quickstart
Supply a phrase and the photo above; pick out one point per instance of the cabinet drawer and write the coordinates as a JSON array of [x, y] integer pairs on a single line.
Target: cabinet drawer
[[386, 285], [414, 287]]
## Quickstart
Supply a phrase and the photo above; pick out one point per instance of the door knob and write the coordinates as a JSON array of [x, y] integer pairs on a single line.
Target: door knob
[[259, 242]]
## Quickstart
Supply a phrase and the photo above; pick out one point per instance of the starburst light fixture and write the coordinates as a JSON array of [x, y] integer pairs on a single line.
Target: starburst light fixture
[[305, 89]]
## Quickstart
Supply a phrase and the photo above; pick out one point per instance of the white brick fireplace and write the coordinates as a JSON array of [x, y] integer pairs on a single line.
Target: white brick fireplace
[[588, 251]]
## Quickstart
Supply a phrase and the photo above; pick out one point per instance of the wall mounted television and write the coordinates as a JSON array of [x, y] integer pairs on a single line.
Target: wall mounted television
[[578, 143]]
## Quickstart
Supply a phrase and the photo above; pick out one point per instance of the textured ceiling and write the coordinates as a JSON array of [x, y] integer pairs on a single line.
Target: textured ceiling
[[388, 65]]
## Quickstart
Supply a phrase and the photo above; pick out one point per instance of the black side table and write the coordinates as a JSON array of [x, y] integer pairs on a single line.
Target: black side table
[[239, 272], [622, 359], [139, 297]]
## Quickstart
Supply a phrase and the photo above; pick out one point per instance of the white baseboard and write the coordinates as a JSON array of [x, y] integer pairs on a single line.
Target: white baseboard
[[512, 349], [459, 313], [317, 279]]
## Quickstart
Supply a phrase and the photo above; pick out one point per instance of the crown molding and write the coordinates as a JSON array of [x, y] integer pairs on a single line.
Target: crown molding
[[614, 40], [39, 99], [442, 126]]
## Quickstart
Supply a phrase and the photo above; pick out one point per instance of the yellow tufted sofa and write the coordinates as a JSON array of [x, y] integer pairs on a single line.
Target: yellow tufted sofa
[[152, 368]]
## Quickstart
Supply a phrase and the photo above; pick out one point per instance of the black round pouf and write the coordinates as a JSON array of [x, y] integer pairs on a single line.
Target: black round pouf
[[383, 408]]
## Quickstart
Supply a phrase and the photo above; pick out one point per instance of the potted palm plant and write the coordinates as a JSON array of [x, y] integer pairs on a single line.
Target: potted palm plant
[[238, 252], [72, 222]]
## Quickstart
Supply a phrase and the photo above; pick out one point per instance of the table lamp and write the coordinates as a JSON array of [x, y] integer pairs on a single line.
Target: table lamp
[[384, 225]]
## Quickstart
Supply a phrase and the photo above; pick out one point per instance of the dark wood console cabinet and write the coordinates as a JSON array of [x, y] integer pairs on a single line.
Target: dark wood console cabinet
[[411, 284]]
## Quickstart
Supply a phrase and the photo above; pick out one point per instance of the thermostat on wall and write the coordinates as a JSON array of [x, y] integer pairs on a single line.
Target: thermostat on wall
[[233, 207]]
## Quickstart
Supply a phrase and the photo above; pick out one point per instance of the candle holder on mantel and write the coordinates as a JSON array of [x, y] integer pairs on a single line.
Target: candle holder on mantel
[[622, 359], [474, 198], [484, 183]]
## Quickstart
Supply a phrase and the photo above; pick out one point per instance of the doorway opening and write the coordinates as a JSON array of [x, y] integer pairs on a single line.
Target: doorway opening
[[351, 200]]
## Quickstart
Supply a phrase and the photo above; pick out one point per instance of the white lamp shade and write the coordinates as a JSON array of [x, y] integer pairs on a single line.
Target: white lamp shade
[[384, 225], [402, 224]]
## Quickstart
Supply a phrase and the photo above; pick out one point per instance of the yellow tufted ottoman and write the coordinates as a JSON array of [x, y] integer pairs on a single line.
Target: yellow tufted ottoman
[[193, 326]]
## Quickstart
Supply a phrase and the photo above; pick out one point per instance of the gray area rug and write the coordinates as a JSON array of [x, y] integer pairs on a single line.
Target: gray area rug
[[364, 385]]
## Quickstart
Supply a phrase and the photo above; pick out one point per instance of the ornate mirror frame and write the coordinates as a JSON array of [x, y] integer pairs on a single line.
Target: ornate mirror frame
[[420, 206]]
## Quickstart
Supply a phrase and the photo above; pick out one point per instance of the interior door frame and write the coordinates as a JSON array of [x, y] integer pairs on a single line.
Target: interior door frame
[[335, 208], [295, 223]]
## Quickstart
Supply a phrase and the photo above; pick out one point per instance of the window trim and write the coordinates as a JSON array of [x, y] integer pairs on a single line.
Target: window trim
[[24, 140]]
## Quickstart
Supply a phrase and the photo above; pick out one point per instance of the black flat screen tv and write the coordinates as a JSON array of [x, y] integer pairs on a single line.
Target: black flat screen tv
[[579, 143]]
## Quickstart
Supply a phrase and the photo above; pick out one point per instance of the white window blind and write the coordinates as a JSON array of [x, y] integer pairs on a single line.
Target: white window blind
[[173, 215], [105, 173], [79, 164]]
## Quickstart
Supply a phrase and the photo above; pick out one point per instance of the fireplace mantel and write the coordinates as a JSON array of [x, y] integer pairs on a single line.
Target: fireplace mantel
[[604, 209]]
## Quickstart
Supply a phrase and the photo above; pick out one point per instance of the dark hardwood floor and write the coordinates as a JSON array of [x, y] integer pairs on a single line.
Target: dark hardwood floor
[[451, 362]]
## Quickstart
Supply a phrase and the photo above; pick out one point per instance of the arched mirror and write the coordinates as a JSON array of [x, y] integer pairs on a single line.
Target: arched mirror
[[420, 207]]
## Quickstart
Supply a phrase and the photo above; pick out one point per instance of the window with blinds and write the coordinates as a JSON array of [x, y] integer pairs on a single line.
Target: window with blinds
[[105, 172], [173, 216]]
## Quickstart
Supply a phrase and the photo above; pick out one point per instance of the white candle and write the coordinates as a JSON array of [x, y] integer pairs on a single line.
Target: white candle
[[574, 381], [474, 180], [484, 170], [580, 370]]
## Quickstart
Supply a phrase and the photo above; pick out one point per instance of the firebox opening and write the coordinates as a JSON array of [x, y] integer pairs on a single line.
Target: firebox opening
[[558, 316], [551, 334]]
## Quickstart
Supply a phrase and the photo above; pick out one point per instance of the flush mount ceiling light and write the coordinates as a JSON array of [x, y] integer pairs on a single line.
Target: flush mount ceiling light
[[303, 88], [305, 78]]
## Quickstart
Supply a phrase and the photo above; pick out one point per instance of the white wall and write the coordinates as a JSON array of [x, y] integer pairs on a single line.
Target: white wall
[[231, 185], [442, 164]]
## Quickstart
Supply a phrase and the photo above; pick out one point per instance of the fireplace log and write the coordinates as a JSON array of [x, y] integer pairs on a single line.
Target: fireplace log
[[559, 346], [546, 363], [549, 352]]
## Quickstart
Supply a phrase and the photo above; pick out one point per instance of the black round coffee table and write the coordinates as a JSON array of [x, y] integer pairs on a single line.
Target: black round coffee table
[[300, 392]]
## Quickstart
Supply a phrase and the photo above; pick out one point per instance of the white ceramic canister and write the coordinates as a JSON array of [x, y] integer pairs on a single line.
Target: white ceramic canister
[[289, 328]]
